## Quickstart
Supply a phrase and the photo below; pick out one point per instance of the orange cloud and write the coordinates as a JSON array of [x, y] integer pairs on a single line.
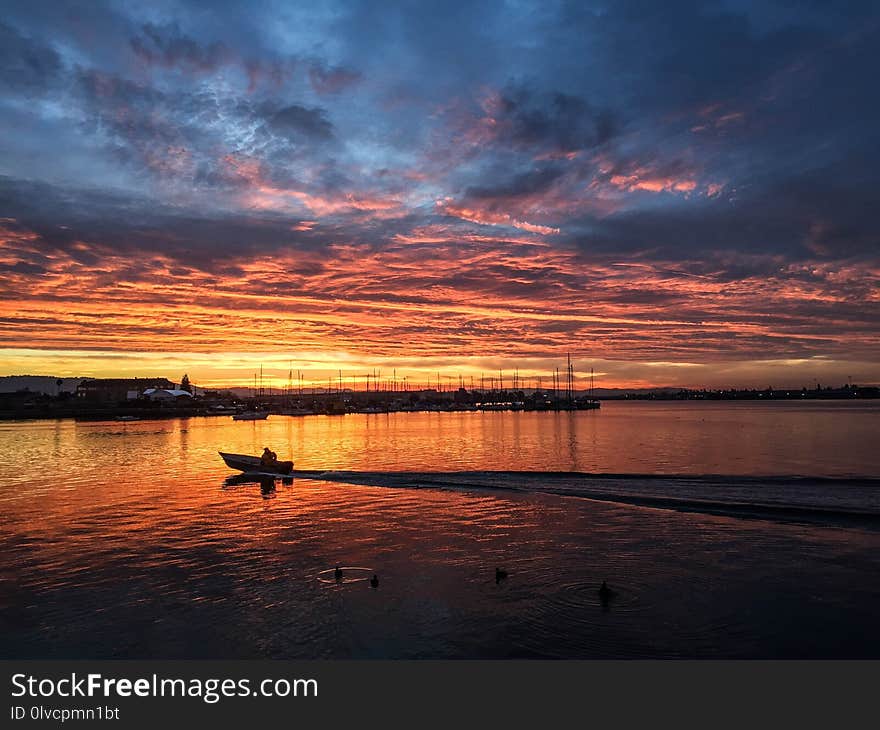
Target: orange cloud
[[491, 218], [430, 296], [644, 180], [261, 194]]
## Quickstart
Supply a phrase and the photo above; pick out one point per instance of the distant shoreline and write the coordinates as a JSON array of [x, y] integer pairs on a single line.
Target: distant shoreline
[[78, 411]]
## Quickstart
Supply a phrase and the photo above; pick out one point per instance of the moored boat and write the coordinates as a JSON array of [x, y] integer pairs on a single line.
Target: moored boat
[[251, 416]]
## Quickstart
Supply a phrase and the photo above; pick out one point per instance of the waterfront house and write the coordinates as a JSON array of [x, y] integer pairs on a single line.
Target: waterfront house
[[109, 390]]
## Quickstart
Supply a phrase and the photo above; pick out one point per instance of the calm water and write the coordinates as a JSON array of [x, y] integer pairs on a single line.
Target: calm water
[[123, 539]]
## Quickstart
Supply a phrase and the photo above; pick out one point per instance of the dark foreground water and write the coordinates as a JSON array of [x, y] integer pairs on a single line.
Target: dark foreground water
[[124, 539]]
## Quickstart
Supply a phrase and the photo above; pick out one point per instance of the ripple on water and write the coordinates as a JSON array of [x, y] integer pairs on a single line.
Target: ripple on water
[[572, 619], [327, 577], [136, 550]]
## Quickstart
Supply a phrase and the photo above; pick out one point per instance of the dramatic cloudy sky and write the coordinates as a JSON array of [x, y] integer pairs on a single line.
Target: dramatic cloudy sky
[[676, 192]]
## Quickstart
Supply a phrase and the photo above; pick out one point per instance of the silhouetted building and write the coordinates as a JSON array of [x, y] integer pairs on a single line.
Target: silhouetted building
[[167, 394], [18, 399], [119, 389]]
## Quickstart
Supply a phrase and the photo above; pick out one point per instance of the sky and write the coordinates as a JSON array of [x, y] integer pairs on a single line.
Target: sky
[[676, 193]]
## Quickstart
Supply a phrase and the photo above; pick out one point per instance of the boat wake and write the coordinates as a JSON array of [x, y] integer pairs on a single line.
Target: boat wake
[[850, 502]]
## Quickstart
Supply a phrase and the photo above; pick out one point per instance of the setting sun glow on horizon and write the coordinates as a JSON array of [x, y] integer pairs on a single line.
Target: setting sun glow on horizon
[[209, 196]]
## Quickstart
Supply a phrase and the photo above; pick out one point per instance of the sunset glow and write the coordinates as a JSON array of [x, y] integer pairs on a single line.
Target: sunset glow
[[182, 192]]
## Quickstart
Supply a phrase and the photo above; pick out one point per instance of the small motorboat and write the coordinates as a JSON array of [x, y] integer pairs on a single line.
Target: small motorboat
[[253, 465], [251, 416]]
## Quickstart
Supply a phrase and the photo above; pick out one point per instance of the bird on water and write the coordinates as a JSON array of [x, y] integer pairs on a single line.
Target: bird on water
[[337, 573], [374, 581], [500, 574]]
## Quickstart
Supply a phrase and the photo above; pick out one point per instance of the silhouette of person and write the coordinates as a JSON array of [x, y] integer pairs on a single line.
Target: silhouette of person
[[269, 458]]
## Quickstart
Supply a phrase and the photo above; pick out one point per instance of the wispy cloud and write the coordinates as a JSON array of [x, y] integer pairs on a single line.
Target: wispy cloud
[[692, 184]]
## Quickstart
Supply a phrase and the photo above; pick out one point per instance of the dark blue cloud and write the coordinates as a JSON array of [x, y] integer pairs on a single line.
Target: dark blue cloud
[[680, 130], [299, 120], [26, 65]]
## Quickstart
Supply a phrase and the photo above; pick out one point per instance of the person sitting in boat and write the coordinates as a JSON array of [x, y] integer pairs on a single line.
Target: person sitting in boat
[[269, 458]]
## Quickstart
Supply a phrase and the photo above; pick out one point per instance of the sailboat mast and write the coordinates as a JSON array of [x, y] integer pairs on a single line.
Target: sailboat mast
[[568, 382], [556, 388]]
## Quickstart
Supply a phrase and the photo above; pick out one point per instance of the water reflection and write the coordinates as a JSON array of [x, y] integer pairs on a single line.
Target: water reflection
[[703, 438], [135, 543], [267, 485]]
